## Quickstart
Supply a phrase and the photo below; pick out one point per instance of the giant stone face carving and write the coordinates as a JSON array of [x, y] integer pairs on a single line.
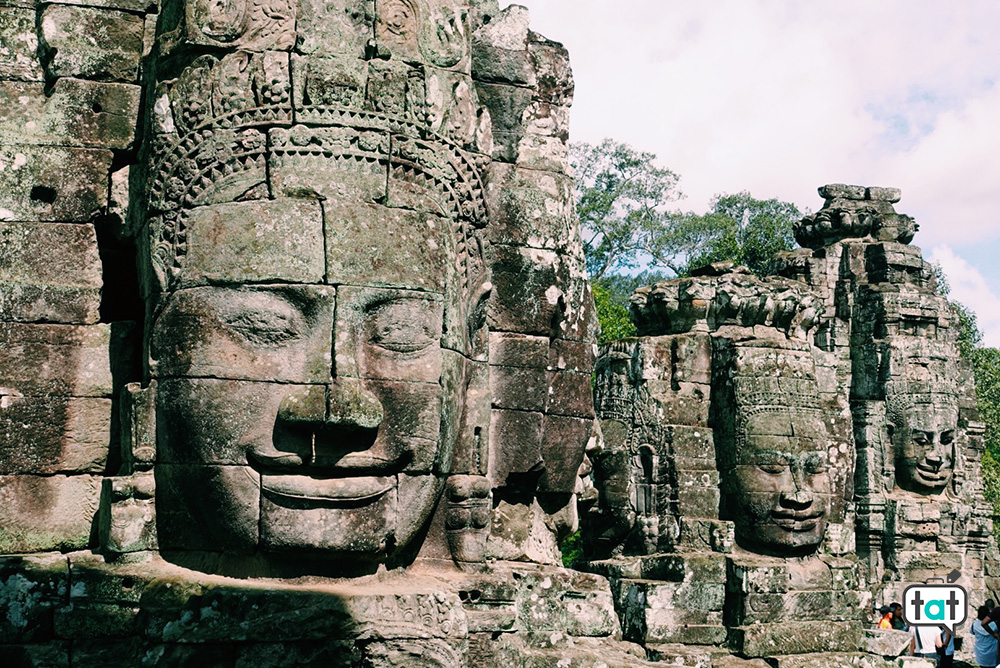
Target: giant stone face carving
[[922, 430], [781, 484], [318, 291]]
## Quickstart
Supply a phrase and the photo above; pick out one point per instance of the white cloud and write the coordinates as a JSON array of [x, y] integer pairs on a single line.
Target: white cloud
[[968, 287], [779, 98]]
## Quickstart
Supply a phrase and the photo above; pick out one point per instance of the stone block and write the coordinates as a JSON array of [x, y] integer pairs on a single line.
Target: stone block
[[694, 448], [31, 589], [87, 621], [55, 360], [225, 518], [686, 406], [519, 388], [528, 294], [570, 394], [506, 105], [47, 435], [266, 240], [556, 599], [549, 154], [337, 80], [92, 43], [52, 183], [791, 637], [19, 45], [839, 659], [515, 440], [562, 449], [46, 513], [531, 208], [334, 27], [550, 61], [176, 655], [573, 356], [521, 529], [889, 643], [97, 582], [49, 655], [77, 112], [699, 502], [127, 517], [206, 612], [799, 605], [507, 33], [496, 65], [557, 651], [710, 534], [329, 654], [403, 254], [519, 350], [312, 163]]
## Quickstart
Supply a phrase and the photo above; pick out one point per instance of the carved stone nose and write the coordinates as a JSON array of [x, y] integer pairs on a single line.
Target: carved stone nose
[[352, 405], [934, 460], [344, 403], [798, 500]]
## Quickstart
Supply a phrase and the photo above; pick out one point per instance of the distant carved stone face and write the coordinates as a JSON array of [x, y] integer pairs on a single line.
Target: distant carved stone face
[[924, 446], [781, 485], [310, 418]]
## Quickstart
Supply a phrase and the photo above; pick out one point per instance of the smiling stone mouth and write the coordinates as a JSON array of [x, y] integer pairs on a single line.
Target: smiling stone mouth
[[310, 488], [930, 473], [793, 521]]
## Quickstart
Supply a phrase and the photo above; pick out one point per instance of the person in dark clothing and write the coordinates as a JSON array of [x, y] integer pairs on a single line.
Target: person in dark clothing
[[898, 622]]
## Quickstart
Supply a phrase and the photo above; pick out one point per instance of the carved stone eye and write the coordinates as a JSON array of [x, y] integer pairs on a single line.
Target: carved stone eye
[[403, 327], [397, 16]]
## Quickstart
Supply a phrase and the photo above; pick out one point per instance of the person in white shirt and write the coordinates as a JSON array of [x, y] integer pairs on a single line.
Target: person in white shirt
[[923, 641]]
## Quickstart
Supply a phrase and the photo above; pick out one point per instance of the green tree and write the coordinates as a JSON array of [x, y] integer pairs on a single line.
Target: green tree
[[613, 314], [741, 229], [986, 368], [622, 198]]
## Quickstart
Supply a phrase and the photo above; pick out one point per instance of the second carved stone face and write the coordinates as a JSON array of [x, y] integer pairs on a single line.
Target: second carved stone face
[[780, 486], [924, 447]]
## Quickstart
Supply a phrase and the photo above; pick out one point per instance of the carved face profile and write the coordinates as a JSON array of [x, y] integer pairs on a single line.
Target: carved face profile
[[923, 441], [780, 485]]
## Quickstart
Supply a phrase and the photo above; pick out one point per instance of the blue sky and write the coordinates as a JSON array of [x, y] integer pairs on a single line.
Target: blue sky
[[780, 97]]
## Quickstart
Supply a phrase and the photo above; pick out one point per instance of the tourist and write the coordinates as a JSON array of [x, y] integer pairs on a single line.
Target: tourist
[[945, 646], [985, 647], [886, 621], [898, 622], [924, 641]]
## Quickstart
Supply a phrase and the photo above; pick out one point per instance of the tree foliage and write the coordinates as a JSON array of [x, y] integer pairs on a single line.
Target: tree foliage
[[613, 314], [986, 367], [622, 198], [741, 229]]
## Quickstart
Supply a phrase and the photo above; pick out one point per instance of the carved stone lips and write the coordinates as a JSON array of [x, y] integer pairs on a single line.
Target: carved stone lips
[[797, 521], [303, 487], [931, 474]]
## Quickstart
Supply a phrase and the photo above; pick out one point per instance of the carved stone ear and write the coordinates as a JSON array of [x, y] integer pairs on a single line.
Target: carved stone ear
[[468, 517], [478, 335], [138, 416], [126, 518]]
